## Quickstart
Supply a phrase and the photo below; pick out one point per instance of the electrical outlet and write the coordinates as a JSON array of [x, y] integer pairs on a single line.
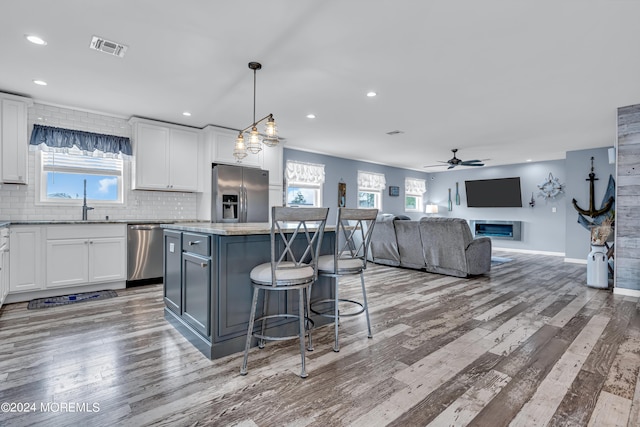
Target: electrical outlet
[[554, 209]]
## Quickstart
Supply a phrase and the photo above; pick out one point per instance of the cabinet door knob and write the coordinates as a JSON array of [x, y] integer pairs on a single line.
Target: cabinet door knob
[[203, 264]]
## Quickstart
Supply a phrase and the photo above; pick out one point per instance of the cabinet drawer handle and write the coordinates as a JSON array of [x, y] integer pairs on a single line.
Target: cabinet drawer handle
[[203, 264], [194, 242]]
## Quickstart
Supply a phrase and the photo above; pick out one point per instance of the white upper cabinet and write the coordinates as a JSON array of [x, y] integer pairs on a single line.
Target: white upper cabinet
[[165, 156], [183, 159], [272, 161], [13, 138], [224, 141]]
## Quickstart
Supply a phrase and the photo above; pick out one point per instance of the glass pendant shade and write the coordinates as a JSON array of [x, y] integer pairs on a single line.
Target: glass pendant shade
[[254, 145], [271, 130], [240, 150]]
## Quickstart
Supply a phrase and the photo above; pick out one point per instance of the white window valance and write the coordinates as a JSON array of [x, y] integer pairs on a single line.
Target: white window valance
[[371, 181], [415, 186], [304, 173]]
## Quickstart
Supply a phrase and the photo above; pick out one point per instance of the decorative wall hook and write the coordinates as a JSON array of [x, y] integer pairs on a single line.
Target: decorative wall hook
[[532, 203]]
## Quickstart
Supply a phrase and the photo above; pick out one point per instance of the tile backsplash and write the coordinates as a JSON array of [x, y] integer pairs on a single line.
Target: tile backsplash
[[18, 202]]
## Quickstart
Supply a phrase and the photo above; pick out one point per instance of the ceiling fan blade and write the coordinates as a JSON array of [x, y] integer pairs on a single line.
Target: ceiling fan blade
[[452, 166], [435, 166], [473, 164], [471, 161]]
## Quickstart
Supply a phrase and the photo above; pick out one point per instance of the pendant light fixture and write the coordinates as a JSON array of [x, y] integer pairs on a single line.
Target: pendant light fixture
[[254, 144]]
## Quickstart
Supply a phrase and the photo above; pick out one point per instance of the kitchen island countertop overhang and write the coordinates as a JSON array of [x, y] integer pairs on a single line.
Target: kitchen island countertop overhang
[[228, 229]]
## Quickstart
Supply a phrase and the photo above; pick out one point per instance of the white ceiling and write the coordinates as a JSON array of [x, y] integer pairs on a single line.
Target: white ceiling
[[504, 80]]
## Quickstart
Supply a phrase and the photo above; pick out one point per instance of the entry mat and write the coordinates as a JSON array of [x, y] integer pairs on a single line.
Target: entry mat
[[496, 260], [70, 299]]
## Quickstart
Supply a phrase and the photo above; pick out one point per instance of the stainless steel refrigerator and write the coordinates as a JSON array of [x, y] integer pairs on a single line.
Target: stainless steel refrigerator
[[240, 194]]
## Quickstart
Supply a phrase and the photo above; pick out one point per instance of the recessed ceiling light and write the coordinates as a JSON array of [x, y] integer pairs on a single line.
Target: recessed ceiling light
[[186, 113], [311, 116], [35, 40], [371, 94], [529, 160], [40, 82]]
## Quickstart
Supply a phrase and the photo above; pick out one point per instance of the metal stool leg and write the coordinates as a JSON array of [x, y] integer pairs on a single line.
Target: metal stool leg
[[263, 329], [336, 343], [301, 310], [366, 305], [307, 311], [254, 303]]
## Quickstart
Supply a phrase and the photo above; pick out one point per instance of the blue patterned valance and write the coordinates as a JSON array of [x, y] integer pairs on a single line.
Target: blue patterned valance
[[47, 138]]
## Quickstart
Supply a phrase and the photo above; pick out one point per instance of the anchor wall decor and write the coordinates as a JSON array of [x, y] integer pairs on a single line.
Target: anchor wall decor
[[592, 211]]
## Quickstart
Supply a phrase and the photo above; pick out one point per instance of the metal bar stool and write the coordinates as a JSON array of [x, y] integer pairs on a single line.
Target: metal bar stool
[[353, 235], [296, 236]]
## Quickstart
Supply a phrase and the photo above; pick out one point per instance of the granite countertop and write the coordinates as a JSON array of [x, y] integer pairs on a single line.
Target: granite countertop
[[229, 228], [223, 228], [91, 221]]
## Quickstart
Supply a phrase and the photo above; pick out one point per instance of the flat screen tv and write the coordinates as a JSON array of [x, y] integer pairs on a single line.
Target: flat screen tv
[[494, 193]]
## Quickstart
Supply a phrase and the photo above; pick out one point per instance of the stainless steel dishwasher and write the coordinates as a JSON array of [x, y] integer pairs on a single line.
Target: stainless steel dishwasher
[[144, 254]]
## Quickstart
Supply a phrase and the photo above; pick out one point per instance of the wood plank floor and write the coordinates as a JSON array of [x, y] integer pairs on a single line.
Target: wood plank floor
[[527, 345]]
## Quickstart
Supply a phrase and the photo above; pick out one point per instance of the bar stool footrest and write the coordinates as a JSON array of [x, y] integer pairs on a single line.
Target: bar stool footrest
[[309, 325], [332, 315]]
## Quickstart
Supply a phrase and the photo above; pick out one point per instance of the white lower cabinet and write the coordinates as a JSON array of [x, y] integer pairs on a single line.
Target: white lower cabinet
[[107, 260], [25, 259], [81, 254], [67, 262], [62, 256], [4, 264]]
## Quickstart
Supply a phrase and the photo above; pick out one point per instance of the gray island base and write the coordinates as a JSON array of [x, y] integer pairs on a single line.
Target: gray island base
[[207, 289]]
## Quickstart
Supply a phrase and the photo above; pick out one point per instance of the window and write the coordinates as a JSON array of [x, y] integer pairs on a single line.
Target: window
[[304, 184], [414, 189], [370, 188], [63, 175]]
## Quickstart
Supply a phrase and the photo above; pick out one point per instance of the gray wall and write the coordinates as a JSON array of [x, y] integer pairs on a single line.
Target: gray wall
[[628, 199], [578, 165], [337, 168], [542, 229]]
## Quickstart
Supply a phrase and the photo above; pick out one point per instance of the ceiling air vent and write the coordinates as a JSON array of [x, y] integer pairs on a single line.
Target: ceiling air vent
[[107, 46]]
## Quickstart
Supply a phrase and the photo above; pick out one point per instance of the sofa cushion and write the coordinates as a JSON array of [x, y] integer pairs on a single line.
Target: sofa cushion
[[409, 244], [444, 242], [383, 248]]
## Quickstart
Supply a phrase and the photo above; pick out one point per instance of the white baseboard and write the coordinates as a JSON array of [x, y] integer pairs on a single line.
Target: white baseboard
[[627, 292], [576, 260], [530, 251]]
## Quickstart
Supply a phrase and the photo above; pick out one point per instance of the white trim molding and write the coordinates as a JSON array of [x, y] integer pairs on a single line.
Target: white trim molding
[[627, 292]]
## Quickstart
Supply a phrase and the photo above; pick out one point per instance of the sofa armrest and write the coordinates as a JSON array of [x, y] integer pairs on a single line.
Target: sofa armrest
[[478, 255]]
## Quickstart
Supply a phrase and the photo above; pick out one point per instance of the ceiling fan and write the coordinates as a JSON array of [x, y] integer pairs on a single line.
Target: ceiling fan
[[454, 161]]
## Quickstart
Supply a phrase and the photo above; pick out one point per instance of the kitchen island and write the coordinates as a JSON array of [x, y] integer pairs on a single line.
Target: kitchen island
[[207, 289]]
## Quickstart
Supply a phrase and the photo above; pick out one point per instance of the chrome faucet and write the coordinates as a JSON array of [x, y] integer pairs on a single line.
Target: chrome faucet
[[85, 208]]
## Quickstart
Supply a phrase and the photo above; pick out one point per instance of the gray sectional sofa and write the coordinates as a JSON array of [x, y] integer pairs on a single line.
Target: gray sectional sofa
[[437, 245]]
